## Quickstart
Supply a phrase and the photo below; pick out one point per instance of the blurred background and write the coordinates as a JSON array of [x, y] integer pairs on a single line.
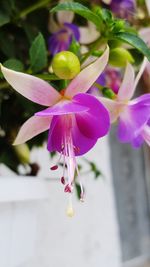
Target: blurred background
[[112, 227]]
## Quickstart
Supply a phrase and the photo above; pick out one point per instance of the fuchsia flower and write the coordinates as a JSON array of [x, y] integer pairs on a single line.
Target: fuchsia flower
[[75, 120], [63, 31], [133, 115], [62, 39], [122, 8]]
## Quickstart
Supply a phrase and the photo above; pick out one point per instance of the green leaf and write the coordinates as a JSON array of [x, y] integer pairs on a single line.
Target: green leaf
[[135, 41], [80, 10], [7, 46], [4, 18], [38, 53], [14, 64]]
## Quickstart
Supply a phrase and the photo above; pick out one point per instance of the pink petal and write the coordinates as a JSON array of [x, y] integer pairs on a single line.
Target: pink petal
[[112, 106], [32, 127], [142, 68], [107, 1], [64, 16], [126, 90], [31, 87], [84, 80], [52, 25], [147, 2], [88, 34], [146, 134], [132, 120], [145, 35]]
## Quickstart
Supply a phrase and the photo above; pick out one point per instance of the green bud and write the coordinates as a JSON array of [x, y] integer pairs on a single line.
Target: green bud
[[114, 43], [119, 25], [23, 153], [109, 93], [74, 47], [66, 65], [119, 57], [97, 53]]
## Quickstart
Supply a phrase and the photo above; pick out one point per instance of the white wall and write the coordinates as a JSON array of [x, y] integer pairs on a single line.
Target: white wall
[[89, 239]]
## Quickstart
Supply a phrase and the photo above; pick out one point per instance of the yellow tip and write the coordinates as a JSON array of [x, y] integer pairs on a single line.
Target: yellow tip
[[70, 211]]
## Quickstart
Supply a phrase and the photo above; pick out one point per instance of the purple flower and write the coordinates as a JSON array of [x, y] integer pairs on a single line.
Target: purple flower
[[123, 8], [75, 119], [61, 40], [63, 31], [101, 81], [110, 78], [133, 115], [113, 79]]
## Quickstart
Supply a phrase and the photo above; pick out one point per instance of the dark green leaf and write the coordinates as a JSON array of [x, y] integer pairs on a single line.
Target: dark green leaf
[[7, 45], [14, 64], [78, 190], [135, 41], [80, 10], [38, 53], [4, 18]]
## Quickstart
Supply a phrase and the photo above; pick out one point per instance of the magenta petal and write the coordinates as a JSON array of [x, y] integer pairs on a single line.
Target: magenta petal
[[95, 122], [63, 107], [143, 99], [138, 141], [84, 128], [81, 143], [132, 121]]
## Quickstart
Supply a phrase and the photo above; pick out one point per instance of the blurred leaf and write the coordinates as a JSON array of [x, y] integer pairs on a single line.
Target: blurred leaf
[[138, 57], [7, 45], [94, 169], [80, 10], [78, 190], [4, 18], [38, 53], [8, 6], [14, 64], [135, 41]]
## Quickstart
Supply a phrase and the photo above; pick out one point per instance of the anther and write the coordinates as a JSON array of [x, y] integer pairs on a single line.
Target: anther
[[76, 149], [55, 167], [67, 189], [63, 180]]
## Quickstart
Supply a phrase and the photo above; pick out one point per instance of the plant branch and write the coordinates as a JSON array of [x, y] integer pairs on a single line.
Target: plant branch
[[32, 8]]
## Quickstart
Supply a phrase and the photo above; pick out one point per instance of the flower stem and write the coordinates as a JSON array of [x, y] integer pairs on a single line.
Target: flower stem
[[48, 77], [94, 46], [32, 8]]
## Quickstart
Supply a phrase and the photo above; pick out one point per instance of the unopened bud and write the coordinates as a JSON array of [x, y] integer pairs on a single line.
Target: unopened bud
[[119, 57], [109, 93], [66, 65]]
